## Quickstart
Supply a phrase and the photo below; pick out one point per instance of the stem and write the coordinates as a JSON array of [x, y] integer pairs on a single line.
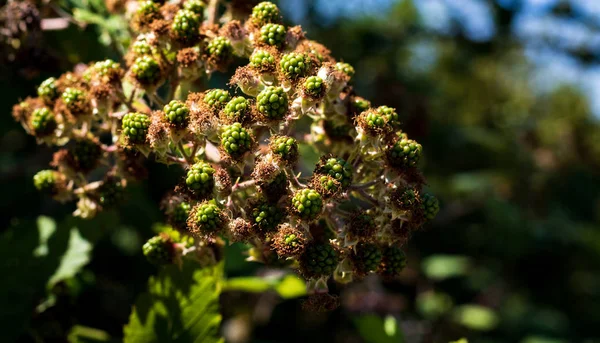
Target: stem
[[213, 9], [243, 185], [364, 185], [367, 197], [155, 99], [294, 178], [188, 158]]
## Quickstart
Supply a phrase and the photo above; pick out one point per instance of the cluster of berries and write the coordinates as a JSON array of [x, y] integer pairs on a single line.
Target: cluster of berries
[[240, 152]]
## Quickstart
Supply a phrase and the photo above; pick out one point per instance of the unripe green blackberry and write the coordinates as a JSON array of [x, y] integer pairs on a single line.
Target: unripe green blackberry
[[141, 48], [360, 105], [47, 90], [180, 213], [45, 181], [264, 13], [285, 147], [294, 65], [404, 153], [326, 185], [276, 188], [273, 34], [159, 250], [237, 109], [108, 68], [85, 154], [207, 218], [314, 87], [430, 206], [362, 226], [200, 178], [319, 259], [148, 10], [135, 127], [272, 102], [42, 121], [405, 198], [345, 68], [337, 168], [289, 241], [366, 257], [265, 216], [219, 48], [262, 59], [185, 26], [177, 113], [389, 114], [217, 98], [146, 70], [110, 192], [307, 203], [393, 261], [196, 6], [236, 140], [76, 100]]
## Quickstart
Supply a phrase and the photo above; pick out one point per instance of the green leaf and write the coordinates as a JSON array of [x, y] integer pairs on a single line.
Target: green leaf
[[475, 317], [181, 305], [374, 329], [288, 287], [77, 255], [440, 267], [84, 334]]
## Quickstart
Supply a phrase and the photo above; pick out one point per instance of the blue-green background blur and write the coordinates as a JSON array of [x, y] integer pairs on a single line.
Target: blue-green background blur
[[503, 95]]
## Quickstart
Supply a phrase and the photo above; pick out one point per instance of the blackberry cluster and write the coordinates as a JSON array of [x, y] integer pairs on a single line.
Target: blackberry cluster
[[294, 65], [177, 113], [135, 127], [307, 204], [217, 98], [241, 148], [272, 102], [200, 178], [236, 140], [273, 34]]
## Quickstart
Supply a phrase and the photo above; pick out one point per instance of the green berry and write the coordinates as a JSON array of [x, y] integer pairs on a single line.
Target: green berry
[[265, 12], [362, 226], [220, 48], [273, 34], [177, 113], [217, 98], [74, 98], [208, 218], [345, 68], [148, 9], [186, 25], [47, 90], [393, 261], [110, 192], [262, 59], [196, 6], [266, 216], [313, 86], [285, 147], [85, 154], [141, 48], [307, 203], [366, 257], [45, 181], [294, 64], [43, 122], [108, 68], [319, 259], [200, 178], [272, 102], [404, 153], [430, 205], [135, 127], [236, 140], [360, 104], [180, 213], [237, 109], [338, 169], [405, 198], [146, 70], [158, 250], [389, 114], [374, 120]]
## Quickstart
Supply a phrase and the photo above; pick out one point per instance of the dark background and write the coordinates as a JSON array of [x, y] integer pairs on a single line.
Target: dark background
[[502, 96]]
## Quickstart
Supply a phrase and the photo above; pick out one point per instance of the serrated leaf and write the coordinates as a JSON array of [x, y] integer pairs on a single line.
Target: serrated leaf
[[76, 256], [181, 305]]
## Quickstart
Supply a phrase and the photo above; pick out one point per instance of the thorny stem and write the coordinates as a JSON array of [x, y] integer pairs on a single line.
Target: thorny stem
[[294, 178], [243, 185]]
